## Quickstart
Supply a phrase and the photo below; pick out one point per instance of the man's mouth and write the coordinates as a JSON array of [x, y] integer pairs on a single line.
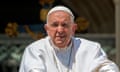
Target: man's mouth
[[60, 36]]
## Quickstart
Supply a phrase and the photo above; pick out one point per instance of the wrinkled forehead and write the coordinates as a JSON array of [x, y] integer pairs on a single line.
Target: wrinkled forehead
[[59, 16]]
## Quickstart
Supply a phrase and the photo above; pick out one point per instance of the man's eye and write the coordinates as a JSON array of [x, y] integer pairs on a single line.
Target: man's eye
[[54, 25], [65, 25]]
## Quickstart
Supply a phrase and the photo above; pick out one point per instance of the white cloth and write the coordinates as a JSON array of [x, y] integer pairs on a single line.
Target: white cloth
[[62, 57], [87, 56]]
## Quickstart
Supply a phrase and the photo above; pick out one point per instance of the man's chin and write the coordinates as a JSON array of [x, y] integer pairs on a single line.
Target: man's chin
[[59, 44]]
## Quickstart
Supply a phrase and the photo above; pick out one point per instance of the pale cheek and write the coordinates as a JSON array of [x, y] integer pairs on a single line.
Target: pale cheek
[[68, 31], [52, 34]]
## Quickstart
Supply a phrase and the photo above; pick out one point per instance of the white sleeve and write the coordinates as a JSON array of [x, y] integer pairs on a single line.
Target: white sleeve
[[32, 61], [107, 65], [110, 67]]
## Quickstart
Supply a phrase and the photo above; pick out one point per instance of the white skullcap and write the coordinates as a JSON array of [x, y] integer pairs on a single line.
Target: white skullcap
[[61, 8]]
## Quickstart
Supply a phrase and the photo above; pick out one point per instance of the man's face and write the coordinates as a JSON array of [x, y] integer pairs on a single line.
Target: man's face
[[60, 28]]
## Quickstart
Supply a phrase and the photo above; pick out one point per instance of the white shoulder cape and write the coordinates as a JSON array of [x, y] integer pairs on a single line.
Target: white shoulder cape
[[88, 56]]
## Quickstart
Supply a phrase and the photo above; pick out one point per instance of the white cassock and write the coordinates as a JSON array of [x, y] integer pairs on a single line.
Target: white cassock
[[81, 56]]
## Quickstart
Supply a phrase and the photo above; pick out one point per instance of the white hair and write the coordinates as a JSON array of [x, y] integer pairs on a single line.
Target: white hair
[[61, 8]]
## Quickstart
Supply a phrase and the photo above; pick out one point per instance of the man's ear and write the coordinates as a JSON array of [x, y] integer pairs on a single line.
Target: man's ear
[[45, 27], [74, 27]]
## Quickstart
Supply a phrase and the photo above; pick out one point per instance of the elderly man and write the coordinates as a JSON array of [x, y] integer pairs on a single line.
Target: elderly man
[[60, 51]]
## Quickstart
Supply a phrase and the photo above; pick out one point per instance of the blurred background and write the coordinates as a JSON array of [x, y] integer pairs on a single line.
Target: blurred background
[[22, 22]]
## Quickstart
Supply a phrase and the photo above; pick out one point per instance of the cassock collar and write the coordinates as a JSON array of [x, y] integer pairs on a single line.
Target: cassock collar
[[60, 49]]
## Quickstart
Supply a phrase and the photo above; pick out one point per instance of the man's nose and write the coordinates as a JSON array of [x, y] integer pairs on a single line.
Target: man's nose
[[60, 29]]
